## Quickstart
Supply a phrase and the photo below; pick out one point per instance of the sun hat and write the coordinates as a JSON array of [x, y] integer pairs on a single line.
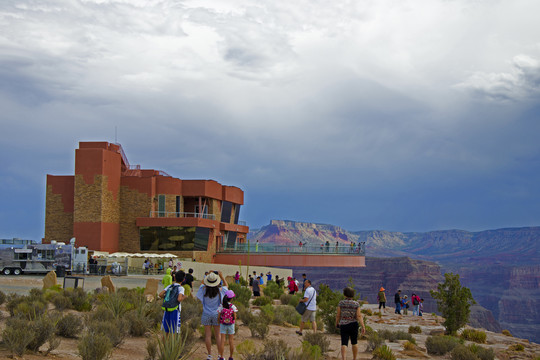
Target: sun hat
[[212, 280], [405, 297], [381, 289], [230, 294]]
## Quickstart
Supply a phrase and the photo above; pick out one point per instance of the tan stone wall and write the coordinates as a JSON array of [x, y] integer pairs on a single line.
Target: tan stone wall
[[214, 208], [233, 212], [133, 204], [170, 204], [58, 224], [95, 202]]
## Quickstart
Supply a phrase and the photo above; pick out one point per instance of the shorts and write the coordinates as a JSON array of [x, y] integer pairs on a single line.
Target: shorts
[[309, 315], [256, 293], [349, 331], [226, 329], [171, 321], [209, 320]]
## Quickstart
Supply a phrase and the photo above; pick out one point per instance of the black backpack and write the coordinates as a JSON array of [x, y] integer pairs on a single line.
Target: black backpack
[[170, 301], [415, 300]]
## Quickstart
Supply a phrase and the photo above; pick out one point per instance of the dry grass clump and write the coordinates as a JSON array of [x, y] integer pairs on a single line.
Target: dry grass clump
[[477, 336], [506, 333], [440, 345], [415, 330], [383, 353], [69, 326], [516, 347], [94, 346], [318, 339]]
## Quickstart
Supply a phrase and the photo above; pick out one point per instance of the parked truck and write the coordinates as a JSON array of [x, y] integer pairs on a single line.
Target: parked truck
[[42, 258]]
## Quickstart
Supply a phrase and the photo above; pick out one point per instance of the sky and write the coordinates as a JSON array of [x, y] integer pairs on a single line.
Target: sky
[[400, 115]]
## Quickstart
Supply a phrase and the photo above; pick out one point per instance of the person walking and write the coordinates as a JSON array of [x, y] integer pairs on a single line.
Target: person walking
[[256, 287], [210, 294], [237, 277], [405, 305], [347, 319], [293, 288], [227, 317], [310, 297], [416, 304], [397, 301], [381, 297], [167, 278], [172, 296]]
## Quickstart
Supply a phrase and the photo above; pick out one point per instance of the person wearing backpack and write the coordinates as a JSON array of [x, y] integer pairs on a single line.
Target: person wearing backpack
[[211, 293], [172, 297], [227, 317], [416, 304]]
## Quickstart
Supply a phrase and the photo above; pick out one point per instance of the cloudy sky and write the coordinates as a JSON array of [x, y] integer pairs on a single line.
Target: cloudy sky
[[406, 115]]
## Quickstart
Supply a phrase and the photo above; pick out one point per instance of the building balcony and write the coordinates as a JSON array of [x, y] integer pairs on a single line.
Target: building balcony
[[254, 249]]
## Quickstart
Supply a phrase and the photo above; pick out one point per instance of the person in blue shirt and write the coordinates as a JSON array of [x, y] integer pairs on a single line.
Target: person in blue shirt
[[269, 276]]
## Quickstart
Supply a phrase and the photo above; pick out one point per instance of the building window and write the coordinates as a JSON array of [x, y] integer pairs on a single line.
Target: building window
[[161, 205], [178, 206], [236, 213], [173, 238], [226, 208]]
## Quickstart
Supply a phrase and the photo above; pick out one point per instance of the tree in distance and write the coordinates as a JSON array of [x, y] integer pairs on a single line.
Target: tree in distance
[[453, 302]]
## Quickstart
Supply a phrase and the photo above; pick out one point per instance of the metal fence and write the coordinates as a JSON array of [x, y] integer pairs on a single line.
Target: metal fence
[[328, 249]]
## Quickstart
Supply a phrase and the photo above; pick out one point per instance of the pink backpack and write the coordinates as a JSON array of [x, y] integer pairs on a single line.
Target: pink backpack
[[227, 316]]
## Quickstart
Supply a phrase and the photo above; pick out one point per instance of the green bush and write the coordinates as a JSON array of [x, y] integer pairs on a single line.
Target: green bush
[[12, 301], [285, 299], [94, 346], [262, 300], [191, 309], [415, 330], [60, 301], [383, 353], [273, 290], [394, 336], [80, 300], [267, 311], [327, 301], [30, 309], [243, 294], [244, 314], [374, 341], [440, 345], [286, 314], [137, 323], [294, 300], [516, 347], [69, 326], [116, 303], [481, 352], [367, 312], [461, 352], [477, 336], [42, 330], [246, 348], [15, 335], [275, 349], [259, 327], [506, 333], [2, 297], [36, 294], [114, 329], [318, 339], [407, 345], [173, 346]]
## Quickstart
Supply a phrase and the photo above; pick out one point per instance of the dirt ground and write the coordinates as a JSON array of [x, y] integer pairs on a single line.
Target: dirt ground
[[135, 348]]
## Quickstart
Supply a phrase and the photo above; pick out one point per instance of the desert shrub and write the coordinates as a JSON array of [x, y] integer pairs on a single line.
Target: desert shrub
[[154, 313], [461, 352], [243, 281], [80, 300], [327, 301], [369, 331], [273, 290], [516, 347], [116, 303], [407, 345], [101, 313], [506, 332], [243, 294], [306, 352], [173, 346], [267, 311], [191, 309], [114, 329], [285, 298], [275, 349], [286, 314], [440, 345], [2, 297], [367, 312], [477, 336], [15, 336], [294, 300], [41, 330], [69, 326], [318, 339], [36, 294], [94, 346], [151, 348], [259, 327], [244, 314], [393, 336], [383, 353], [374, 341], [30, 309], [60, 301], [137, 323], [12, 300], [415, 330], [481, 352], [262, 300], [246, 348]]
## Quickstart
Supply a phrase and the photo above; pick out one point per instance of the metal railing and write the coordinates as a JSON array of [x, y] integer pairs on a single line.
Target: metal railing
[[169, 214], [242, 222], [357, 250]]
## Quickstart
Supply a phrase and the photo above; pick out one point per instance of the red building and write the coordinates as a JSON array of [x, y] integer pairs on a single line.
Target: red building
[[111, 206]]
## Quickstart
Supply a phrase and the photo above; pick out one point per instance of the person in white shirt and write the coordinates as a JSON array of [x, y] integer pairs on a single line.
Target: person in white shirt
[[310, 298]]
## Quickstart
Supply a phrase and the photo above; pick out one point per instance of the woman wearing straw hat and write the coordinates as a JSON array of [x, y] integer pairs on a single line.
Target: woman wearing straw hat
[[211, 293]]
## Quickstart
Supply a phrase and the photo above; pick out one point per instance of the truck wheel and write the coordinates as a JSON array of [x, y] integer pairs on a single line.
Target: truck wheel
[[17, 271], [6, 271]]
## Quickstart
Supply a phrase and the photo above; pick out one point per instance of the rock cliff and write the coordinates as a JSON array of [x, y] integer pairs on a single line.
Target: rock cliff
[[499, 266]]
